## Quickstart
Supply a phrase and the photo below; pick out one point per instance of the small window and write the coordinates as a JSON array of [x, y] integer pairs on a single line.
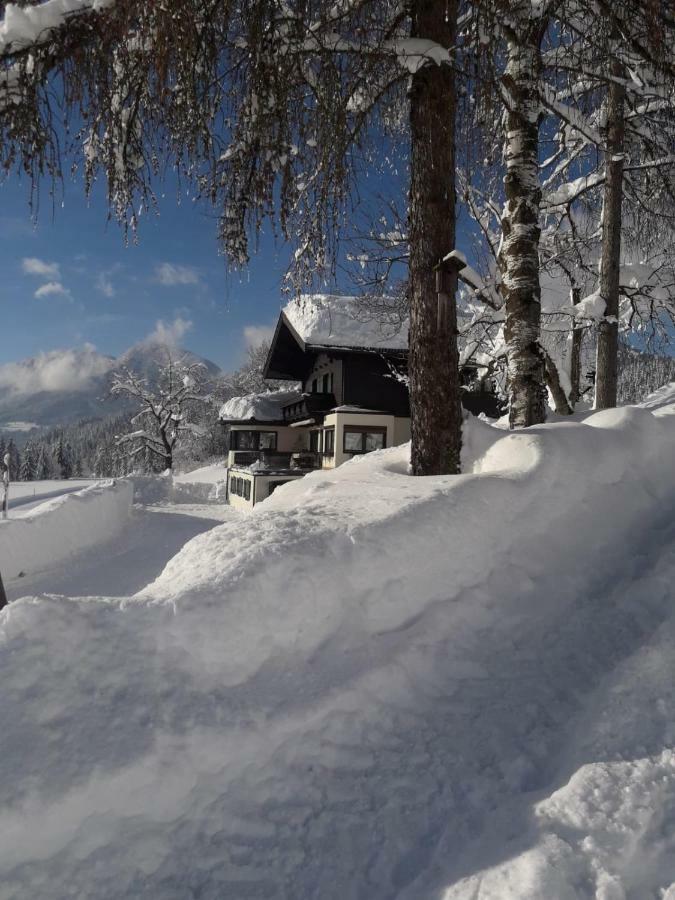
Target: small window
[[363, 440], [273, 485], [329, 442], [315, 386], [331, 383], [247, 489], [268, 440], [315, 441], [325, 387]]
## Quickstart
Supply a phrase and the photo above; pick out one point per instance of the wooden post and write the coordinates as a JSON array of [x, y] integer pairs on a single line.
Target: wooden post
[[447, 277]]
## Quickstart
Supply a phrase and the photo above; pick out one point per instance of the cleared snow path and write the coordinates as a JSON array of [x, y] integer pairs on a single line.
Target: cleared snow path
[[126, 564]]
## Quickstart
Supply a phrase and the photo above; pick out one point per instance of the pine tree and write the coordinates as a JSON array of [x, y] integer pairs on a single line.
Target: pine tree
[[28, 462], [43, 469], [14, 460]]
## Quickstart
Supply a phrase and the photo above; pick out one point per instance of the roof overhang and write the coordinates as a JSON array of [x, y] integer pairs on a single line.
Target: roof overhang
[[247, 423], [290, 357]]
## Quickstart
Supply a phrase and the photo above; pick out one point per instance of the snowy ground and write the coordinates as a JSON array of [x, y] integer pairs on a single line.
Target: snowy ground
[[372, 687], [26, 495], [128, 562]]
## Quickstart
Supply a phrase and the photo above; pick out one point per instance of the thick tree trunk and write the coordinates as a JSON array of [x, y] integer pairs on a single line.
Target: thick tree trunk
[[434, 360], [608, 332], [519, 253]]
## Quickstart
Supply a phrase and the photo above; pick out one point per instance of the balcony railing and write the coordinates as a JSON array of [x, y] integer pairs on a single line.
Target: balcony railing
[[274, 459], [308, 406]]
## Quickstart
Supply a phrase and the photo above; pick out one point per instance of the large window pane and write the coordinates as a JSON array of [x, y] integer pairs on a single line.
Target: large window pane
[[374, 441], [245, 440], [353, 441], [268, 440]]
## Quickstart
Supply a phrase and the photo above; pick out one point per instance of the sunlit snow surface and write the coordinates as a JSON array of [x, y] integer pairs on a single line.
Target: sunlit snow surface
[[372, 687]]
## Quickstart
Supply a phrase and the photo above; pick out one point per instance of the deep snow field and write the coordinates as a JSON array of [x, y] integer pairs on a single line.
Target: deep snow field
[[373, 686]]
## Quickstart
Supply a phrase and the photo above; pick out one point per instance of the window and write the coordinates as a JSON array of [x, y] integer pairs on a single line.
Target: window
[[247, 489], [273, 485], [315, 386], [329, 442], [268, 440], [315, 441], [325, 387], [254, 440], [363, 440]]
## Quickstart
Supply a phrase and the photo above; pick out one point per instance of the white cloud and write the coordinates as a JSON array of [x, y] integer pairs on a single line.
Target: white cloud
[[57, 370], [254, 335], [169, 333], [171, 275], [31, 265], [52, 288], [105, 285]]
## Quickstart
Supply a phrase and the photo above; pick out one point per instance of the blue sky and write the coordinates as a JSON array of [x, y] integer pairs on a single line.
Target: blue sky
[[71, 280]]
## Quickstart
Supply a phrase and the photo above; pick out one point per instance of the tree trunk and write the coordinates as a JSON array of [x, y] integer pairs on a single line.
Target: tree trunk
[[561, 401], [608, 332], [577, 340], [434, 359], [519, 252]]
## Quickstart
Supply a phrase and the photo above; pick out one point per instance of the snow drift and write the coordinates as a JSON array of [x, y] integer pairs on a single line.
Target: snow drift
[[62, 527], [373, 686]]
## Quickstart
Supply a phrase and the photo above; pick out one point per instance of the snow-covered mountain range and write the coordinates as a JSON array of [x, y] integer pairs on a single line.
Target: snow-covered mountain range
[[62, 387]]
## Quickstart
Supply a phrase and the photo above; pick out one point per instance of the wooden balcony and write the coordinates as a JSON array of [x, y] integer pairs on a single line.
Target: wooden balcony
[[308, 407], [273, 460]]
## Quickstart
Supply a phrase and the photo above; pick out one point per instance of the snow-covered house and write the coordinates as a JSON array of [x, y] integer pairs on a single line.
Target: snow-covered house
[[353, 397]]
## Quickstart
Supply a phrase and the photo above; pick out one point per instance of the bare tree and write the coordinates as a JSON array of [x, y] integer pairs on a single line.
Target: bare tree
[[164, 409]]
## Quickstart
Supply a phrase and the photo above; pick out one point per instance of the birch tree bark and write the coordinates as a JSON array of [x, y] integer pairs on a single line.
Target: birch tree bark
[[434, 360], [519, 250], [608, 332]]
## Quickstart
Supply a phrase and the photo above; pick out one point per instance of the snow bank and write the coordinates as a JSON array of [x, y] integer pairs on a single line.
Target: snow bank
[[327, 320], [62, 527], [373, 686], [205, 485], [264, 407]]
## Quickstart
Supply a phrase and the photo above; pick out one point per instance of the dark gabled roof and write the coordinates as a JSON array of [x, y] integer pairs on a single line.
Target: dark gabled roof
[[290, 356]]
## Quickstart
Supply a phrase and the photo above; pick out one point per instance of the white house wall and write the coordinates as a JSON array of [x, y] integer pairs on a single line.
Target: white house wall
[[326, 365], [362, 420], [402, 431]]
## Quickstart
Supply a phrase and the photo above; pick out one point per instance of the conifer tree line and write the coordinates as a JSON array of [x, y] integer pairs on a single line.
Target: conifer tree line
[[549, 124]]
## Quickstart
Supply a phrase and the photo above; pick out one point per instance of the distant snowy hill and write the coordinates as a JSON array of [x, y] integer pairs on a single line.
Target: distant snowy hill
[[63, 387]]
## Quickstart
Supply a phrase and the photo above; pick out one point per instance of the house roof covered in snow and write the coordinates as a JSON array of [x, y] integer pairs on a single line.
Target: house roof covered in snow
[[327, 322], [265, 407]]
